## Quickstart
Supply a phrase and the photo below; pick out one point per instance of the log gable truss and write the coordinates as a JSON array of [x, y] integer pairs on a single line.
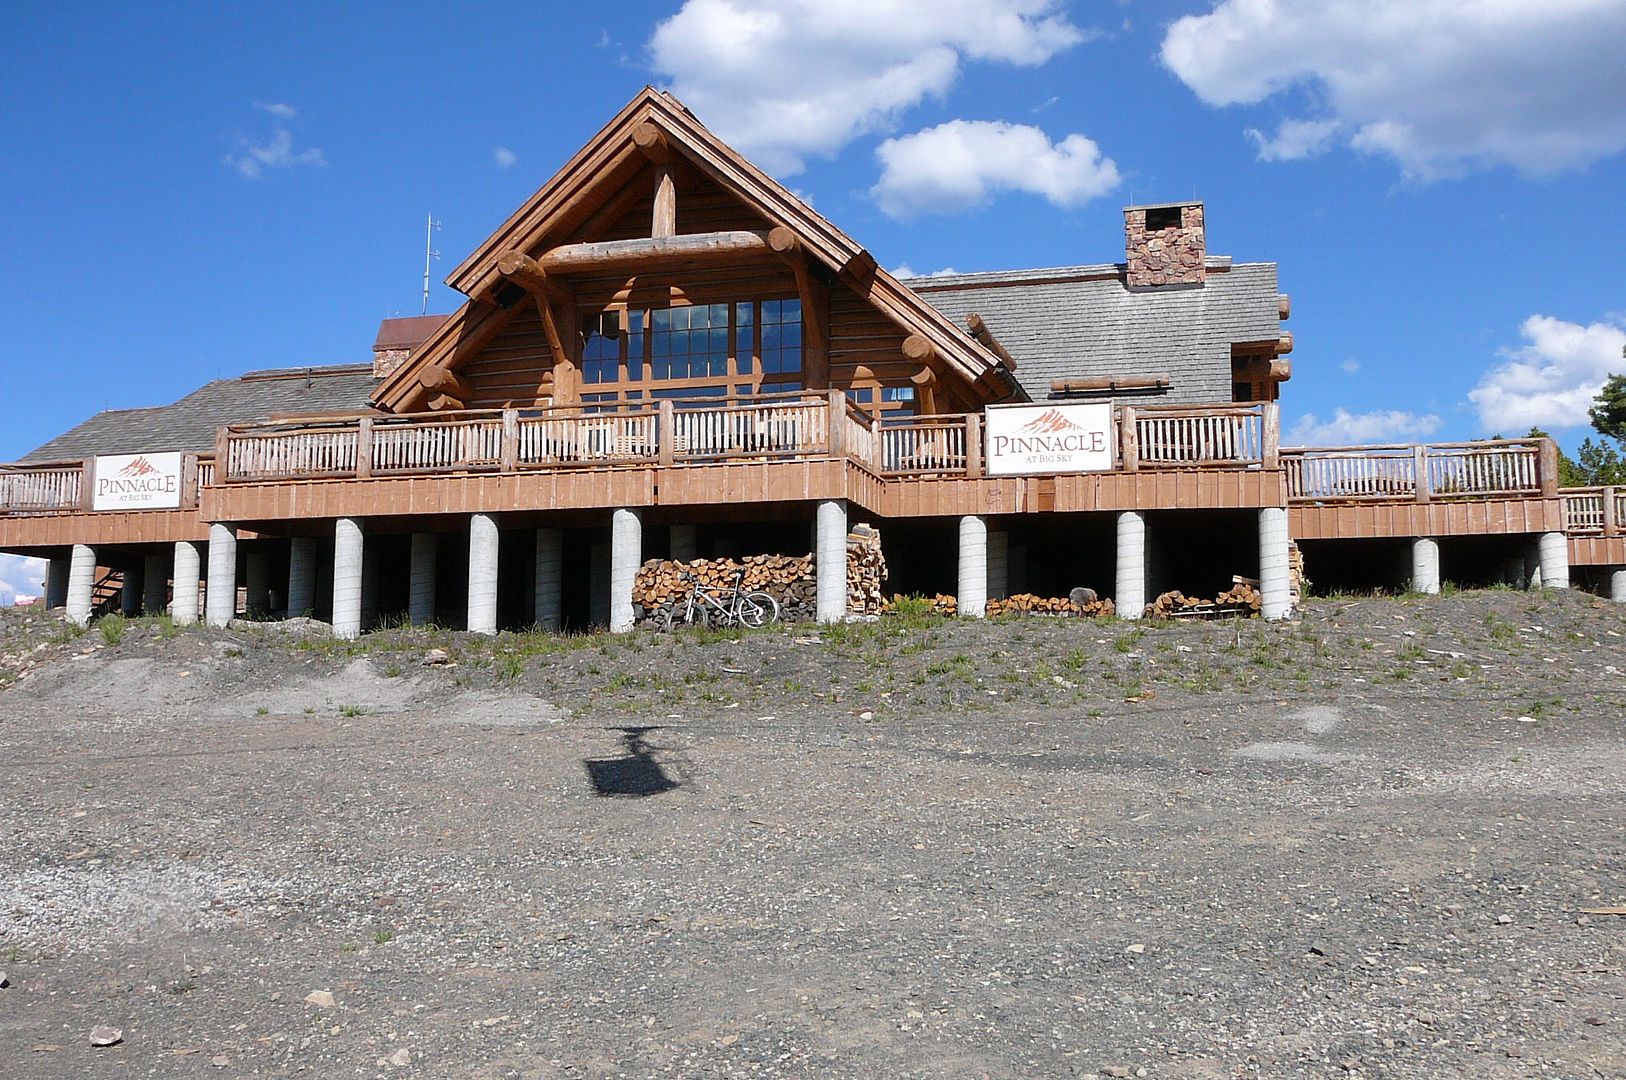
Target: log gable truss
[[654, 210]]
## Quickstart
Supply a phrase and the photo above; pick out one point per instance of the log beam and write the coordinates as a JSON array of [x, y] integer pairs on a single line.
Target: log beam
[[637, 255], [858, 272], [814, 294], [446, 403], [440, 380], [918, 347], [529, 275], [564, 367], [664, 220], [651, 141], [985, 338], [1261, 369], [1090, 383]]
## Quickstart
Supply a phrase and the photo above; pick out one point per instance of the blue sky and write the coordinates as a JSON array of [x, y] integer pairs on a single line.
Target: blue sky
[[189, 192]]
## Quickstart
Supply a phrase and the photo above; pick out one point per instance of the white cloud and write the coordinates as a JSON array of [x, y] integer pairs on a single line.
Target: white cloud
[[960, 164], [1294, 139], [1345, 428], [20, 576], [504, 157], [251, 159], [904, 270], [1350, 367], [1551, 380], [782, 80], [1441, 86], [278, 109]]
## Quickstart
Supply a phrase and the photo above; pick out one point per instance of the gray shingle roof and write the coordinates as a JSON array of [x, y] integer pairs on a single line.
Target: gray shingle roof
[[190, 423], [1074, 321]]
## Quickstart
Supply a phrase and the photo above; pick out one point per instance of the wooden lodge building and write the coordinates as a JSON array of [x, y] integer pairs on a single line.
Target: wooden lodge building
[[666, 354]]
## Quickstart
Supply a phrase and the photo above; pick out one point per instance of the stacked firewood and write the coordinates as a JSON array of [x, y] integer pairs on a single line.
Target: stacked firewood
[[866, 571], [1242, 598], [1241, 594], [1029, 604], [1295, 573], [789, 579]]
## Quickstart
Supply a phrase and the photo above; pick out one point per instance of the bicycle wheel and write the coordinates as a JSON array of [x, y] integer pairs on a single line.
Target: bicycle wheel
[[757, 609]]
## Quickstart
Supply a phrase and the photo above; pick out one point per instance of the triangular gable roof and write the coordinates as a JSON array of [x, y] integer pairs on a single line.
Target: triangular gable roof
[[611, 158]]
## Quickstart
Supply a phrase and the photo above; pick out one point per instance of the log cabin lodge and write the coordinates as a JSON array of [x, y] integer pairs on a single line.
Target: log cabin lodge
[[665, 354]]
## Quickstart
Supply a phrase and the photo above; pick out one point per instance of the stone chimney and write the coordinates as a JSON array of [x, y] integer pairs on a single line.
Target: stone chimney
[[397, 338], [1164, 245]]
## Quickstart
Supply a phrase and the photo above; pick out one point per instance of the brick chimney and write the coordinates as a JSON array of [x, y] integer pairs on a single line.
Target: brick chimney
[[1164, 245]]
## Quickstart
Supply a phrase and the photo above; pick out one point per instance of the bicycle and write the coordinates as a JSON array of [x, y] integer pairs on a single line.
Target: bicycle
[[706, 606]]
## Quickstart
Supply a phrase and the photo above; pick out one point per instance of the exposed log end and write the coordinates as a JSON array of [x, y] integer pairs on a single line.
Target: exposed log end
[[1284, 307], [651, 142], [1285, 345], [918, 347], [782, 240], [924, 377], [859, 271], [446, 403], [514, 263], [442, 380], [1276, 369], [985, 338]]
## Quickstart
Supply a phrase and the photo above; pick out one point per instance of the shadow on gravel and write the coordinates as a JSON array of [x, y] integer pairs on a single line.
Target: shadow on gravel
[[636, 773]]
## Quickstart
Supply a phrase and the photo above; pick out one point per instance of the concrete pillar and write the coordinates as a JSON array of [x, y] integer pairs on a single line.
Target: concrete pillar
[[1130, 595], [183, 607], [1275, 593], [999, 580], [1553, 552], [154, 584], [257, 584], [301, 576], [549, 580], [1425, 566], [56, 582], [973, 583], [626, 553], [130, 591], [1617, 586], [221, 596], [371, 572], [830, 560], [349, 559], [421, 583], [682, 543], [482, 574], [81, 583], [598, 583]]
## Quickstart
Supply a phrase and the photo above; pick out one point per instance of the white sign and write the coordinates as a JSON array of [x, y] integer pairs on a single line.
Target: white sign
[[138, 482], [1048, 439]]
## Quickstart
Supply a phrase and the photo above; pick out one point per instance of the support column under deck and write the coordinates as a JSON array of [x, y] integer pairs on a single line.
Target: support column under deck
[[548, 609], [421, 580], [221, 597], [183, 607], [1617, 586], [349, 564], [1275, 591], [483, 543], [830, 560], [1130, 594], [972, 593], [626, 552], [154, 584], [81, 584], [301, 576], [1425, 566], [1553, 553]]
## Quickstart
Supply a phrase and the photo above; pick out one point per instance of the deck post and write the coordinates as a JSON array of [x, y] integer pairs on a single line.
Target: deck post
[[1270, 450], [973, 445], [301, 576], [183, 605], [155, 583], [87, 484], [837, 423], [1130, 598], [830, 558], [973, 584], [666, 431], [1419, 474], [998, 564], [421, 579], [81, 583], [56, 582], [626, 553], [681, 543], [1275, 594], [364, 448], [1617, 586], [1128, 449], [130, 591], [1611, 520], [483, 543], [221, 596], [1425, 566], [1553, 549], [1547, 467], [257, 579], [509, 452], [349, 558], [549, 580]]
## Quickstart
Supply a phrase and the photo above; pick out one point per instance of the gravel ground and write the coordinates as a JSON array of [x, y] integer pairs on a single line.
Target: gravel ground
[[1358, 843]]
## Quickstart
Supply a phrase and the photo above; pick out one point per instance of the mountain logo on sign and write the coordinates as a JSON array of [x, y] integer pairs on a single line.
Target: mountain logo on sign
[[139, 467], [1051, 422]]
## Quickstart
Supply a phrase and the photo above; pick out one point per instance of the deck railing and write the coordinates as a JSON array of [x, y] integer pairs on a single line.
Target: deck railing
[[1599, 511], [1488, 469], [66, 487], [1176, 436]]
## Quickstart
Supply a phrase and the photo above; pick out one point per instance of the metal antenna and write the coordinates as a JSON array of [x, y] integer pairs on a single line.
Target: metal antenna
[[429, 255]]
